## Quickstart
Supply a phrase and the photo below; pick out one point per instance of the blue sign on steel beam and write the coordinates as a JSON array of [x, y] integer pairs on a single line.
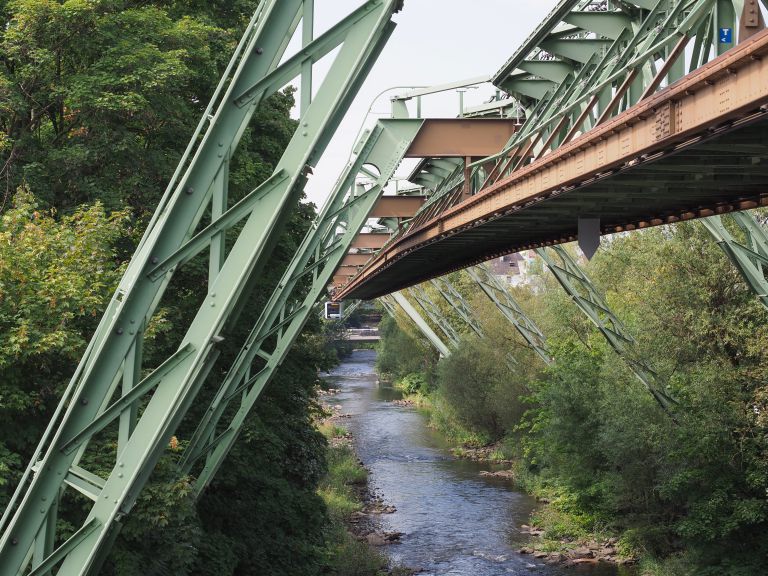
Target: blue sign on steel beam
[[726, 35]]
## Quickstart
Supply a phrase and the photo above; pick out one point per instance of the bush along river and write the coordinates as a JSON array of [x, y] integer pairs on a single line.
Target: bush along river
[[452, 518]]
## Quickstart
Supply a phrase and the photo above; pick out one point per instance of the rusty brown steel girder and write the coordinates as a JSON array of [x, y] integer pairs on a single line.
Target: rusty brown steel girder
[[340, 280], [461, 137], [355, 260], [625, 172], [397, 206], [371, 240]]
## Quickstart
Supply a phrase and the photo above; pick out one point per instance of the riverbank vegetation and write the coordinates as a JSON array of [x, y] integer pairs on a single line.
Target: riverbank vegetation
[[685, 491], [341, 490], [97, 102]]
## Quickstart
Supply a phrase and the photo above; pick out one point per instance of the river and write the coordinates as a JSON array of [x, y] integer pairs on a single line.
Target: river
[[454, 521]]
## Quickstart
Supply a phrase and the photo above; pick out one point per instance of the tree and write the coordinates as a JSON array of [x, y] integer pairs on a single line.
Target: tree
[[97, 102], [56, 276]]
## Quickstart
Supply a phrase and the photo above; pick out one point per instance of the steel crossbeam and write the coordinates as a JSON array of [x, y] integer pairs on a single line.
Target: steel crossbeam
[[114, 355], [750, 257], [591, 302], [511, 310]]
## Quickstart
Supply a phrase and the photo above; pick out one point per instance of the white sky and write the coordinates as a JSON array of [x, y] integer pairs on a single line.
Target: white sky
[[435, 42]]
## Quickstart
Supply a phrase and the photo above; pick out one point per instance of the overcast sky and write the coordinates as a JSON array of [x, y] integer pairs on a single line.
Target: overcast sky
[[435, 42]]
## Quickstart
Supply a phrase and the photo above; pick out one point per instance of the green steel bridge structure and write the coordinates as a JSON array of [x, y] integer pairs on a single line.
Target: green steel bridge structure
[[614, 115]]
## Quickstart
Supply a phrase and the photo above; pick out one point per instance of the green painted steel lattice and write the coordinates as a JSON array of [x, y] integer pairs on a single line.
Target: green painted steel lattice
[[105, 389]]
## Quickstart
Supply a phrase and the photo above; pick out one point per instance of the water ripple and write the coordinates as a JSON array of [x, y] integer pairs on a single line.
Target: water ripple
[[454, 521]]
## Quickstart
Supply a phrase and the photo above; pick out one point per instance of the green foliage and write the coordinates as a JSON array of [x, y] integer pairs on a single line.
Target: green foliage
[[443, 418], [401, 352], [55, 278], [162, 528], [340, 490], [338, 486], [262, 508], [693, 482], [477, 382], [414, 383], [689, 492], [351, 557]]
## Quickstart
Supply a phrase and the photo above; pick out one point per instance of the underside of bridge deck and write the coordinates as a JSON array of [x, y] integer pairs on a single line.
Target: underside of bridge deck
[[728, 174], [692, 150]]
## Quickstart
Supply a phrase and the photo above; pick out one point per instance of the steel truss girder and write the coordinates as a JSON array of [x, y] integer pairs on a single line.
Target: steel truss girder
[[321, 252], [454, 299], [435, 314], [749, 257], [591, 302], [511, 310], [349, 310], [398, 298], [617, 54], [697, 105], [389, 306], [202, 174]]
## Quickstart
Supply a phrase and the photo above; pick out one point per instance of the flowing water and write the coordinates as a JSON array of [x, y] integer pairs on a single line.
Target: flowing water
[[453, 520]]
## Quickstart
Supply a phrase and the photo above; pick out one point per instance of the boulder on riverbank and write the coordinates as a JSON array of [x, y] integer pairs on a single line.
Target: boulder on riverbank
[[383, 538], [590, 552], [503, 474], [404, 402]]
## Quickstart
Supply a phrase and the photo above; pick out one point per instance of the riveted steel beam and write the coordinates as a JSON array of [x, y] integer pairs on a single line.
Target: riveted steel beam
[[397, 206], [200, 178], [371, 240], [588, 62], [461, 137], [658, 131], [355, 259]]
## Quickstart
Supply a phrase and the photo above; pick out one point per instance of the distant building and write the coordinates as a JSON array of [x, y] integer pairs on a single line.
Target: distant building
[[507, 268], [512, 269]]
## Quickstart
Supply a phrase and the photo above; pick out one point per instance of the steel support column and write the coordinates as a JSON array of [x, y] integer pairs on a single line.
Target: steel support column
[[349, 310], [454, 298], [321, 252], [435, 314], [511, 310], [254, 73], [421, 324], [592, 303], [749, 257]]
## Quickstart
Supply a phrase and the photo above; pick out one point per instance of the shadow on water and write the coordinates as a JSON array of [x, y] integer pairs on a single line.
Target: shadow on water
[[454, 521]]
